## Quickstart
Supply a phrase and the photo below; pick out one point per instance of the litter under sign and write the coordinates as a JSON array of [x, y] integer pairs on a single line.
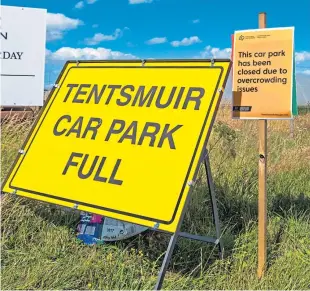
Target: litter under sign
[[122, 139]]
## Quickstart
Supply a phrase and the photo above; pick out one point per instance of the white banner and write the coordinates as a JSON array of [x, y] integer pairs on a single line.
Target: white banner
[[22, 54]]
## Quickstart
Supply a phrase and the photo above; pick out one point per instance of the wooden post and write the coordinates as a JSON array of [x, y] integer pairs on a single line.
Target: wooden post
[[262, 177]]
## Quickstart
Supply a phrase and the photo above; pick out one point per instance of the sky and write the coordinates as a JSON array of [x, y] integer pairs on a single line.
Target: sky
[[126, 29]]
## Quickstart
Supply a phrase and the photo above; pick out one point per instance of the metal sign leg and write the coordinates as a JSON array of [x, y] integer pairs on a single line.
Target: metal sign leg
[[214, 203], [166, 261]]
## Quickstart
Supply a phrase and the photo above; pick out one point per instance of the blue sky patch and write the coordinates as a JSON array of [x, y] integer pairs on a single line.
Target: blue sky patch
[[126, 29]]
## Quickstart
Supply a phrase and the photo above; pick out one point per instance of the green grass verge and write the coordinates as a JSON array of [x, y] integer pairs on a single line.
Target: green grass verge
[[40, 249]]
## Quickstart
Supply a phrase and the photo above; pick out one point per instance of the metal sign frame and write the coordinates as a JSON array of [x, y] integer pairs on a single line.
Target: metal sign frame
[[203, 159], [154, 223]]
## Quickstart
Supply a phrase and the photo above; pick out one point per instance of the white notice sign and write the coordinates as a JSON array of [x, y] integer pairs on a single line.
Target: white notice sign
[[22, 54]]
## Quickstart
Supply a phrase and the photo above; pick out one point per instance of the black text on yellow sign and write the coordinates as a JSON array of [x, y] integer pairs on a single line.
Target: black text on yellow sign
[[121, 141]]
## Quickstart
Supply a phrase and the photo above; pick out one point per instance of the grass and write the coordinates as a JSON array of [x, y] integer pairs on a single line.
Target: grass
[[40, 249], [304, 109]]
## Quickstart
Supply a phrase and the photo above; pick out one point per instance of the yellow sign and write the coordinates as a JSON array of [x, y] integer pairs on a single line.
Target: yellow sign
[[122, 139], [263, 73]]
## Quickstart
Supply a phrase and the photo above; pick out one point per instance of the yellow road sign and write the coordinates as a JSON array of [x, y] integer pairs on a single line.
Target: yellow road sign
[[122, 139]]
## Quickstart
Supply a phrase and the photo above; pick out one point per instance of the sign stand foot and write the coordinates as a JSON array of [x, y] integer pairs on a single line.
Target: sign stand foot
[[164, 266], [178, 233]]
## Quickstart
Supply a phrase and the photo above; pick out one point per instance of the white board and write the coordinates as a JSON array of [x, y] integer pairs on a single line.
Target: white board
[[22, 54]]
